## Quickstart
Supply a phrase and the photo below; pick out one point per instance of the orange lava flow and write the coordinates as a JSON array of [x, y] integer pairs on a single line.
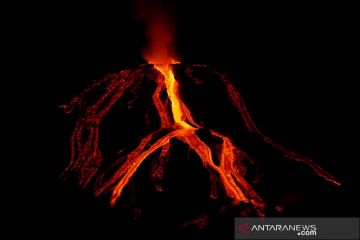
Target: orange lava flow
[[224, 161], [183, 128]]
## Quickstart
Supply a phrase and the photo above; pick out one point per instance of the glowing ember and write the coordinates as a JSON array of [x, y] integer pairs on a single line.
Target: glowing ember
[[176, 122]]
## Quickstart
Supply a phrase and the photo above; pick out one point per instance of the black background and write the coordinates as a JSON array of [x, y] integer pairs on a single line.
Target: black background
[[292, 64]]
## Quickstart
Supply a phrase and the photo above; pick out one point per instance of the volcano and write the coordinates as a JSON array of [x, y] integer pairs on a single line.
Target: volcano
[[155, 95], [225, 162]]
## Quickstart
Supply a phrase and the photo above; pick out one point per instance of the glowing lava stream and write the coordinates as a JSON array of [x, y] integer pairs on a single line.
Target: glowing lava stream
[[172, 88], [229, 171], [229, 175]]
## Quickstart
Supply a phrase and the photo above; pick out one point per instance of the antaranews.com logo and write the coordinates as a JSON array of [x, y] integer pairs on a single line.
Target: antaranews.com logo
[[297, 228], [304, 230]]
